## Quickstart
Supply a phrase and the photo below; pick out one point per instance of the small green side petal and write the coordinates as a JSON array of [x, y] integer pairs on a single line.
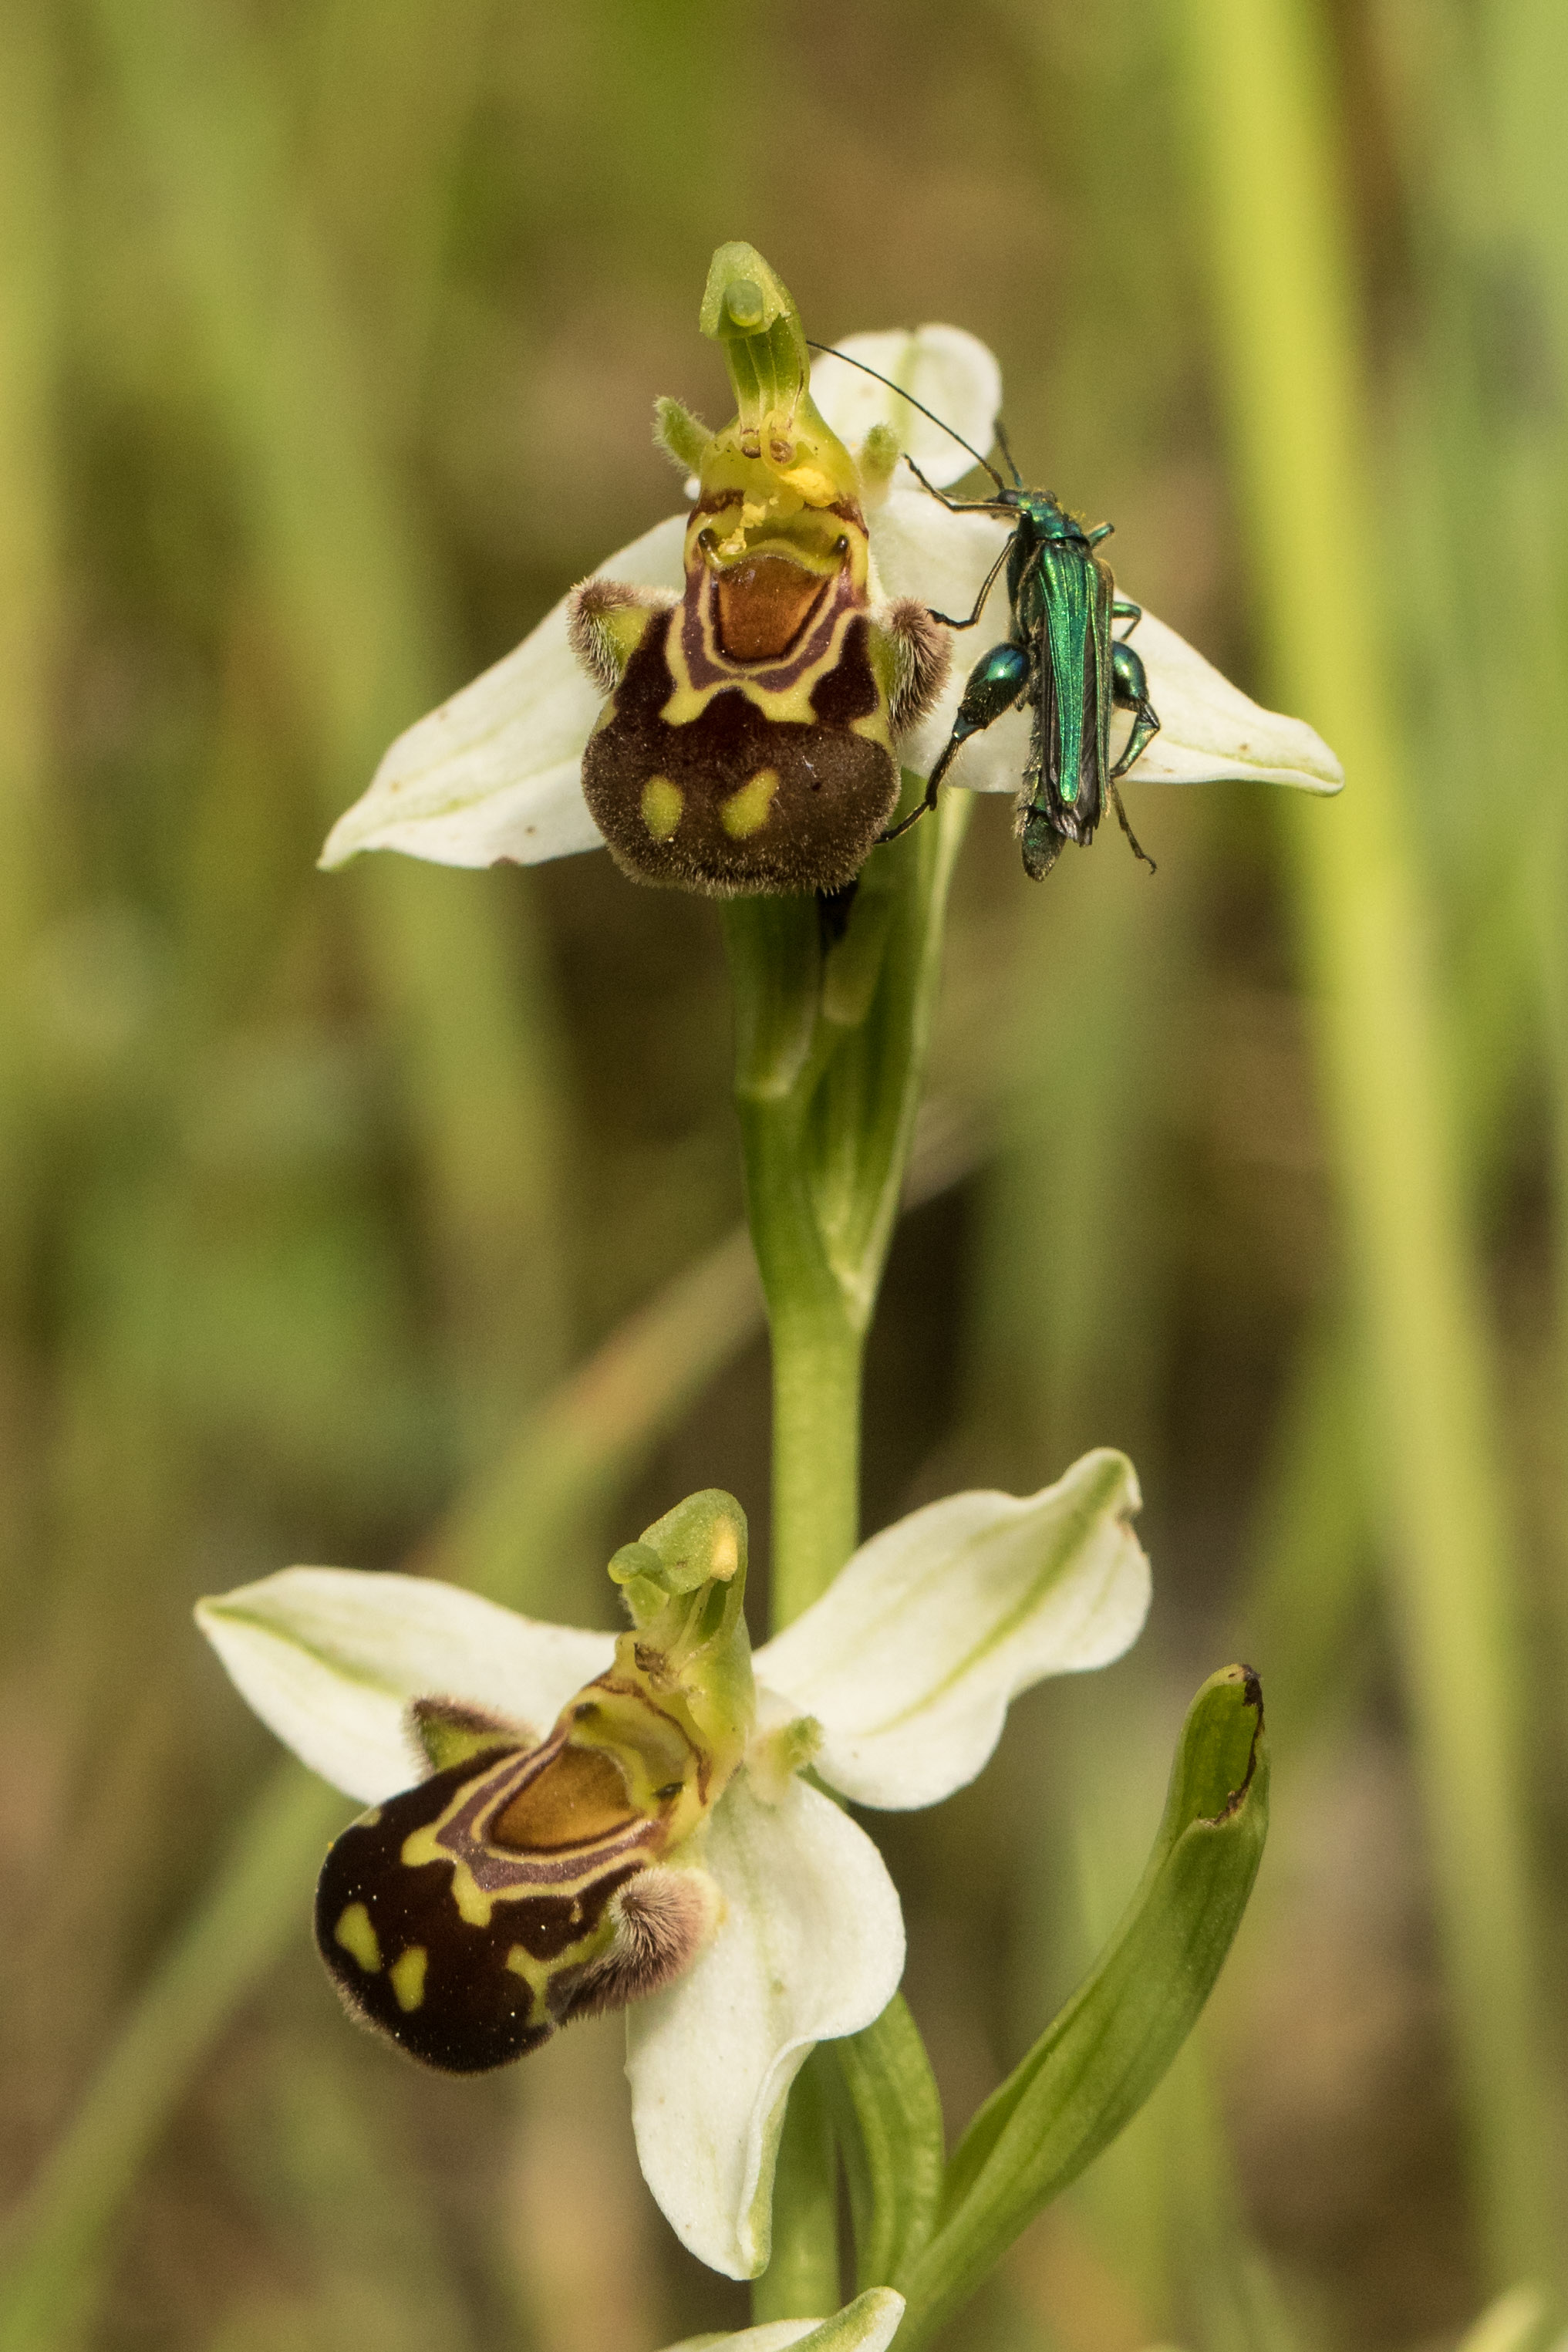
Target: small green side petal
[[683, 437]]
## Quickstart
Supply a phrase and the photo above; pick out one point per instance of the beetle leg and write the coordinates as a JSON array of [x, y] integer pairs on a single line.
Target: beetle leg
[[990, 582], [1138, 849], [1129, 691], [997, 680], [956, 506], [1123, 609]]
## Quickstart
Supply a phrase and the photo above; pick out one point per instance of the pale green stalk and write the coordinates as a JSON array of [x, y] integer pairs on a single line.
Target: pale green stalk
[[831, 1044], [1291, 372], [829, 1053]]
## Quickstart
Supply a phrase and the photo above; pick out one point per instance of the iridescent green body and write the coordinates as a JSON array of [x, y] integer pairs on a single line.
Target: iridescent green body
[[1060, 658]]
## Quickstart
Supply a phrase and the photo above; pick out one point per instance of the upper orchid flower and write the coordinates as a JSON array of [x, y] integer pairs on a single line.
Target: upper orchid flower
[[772, 656], [659, 1845]]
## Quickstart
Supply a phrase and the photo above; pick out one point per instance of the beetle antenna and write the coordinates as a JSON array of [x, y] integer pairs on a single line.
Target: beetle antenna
[[828, 351], [1003, 445]]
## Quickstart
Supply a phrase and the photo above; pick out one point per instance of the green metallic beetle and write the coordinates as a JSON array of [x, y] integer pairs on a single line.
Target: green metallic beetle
[[1062, 659]]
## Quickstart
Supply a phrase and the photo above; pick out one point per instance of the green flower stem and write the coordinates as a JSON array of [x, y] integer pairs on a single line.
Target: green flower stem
[[830, 1046], [830, 1052]]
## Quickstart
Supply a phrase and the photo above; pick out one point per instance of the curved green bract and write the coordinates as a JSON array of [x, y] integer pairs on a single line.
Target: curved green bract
[[888, 2115], [1102, 2055]]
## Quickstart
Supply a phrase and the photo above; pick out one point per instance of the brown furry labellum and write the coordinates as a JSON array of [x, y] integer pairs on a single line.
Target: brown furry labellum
[[747, 743], [515, 1889]]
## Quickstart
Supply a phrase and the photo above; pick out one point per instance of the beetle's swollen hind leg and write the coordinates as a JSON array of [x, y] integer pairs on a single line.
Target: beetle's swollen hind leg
[[1137, 846], [1129, 691], [995, 684]]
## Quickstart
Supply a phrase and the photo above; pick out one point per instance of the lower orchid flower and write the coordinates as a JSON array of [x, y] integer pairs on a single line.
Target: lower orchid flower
[[730, 699], [645, 1820]]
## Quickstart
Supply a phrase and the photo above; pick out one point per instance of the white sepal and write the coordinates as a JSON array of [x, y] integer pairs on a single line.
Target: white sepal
[[948, 369], [495, 773], [909, 1659], [811, 1948], [867, 2325], [329, 1658], [1210, 729]]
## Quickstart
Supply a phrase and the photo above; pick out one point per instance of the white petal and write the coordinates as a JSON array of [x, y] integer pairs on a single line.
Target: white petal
[[329, 1658], [948, 369], [867, 2325], [812, 1947], [1210, 729], [909, 1659], [496, 773]]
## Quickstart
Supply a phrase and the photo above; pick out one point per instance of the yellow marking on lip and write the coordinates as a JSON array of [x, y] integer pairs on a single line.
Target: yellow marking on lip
[[474, 1905], [407, 1974], [536, 1974], [746, 811], [357, 1935], [662, 804]]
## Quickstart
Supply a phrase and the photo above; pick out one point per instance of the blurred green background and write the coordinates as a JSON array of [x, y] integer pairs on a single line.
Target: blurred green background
[[391, 1218]]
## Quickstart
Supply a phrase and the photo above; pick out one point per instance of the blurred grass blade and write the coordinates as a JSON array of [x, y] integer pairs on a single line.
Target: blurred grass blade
[[639, 1386], [1291, 371], [349, 593], [1099, 2059], [889, 2116], [509, 1536], [31, 829], [1515, 2323], [52, 2273]]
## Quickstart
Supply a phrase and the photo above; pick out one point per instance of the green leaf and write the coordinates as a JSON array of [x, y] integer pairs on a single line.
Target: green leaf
[[889, 2117], [1101, 2056]]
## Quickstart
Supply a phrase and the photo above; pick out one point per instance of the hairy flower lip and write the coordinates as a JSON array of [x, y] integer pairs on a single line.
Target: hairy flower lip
[[493, 776], [899, 1678]]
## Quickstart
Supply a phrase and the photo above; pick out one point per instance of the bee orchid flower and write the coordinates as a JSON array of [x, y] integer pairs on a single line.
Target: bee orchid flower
[[729, 699], [564, 1821]]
